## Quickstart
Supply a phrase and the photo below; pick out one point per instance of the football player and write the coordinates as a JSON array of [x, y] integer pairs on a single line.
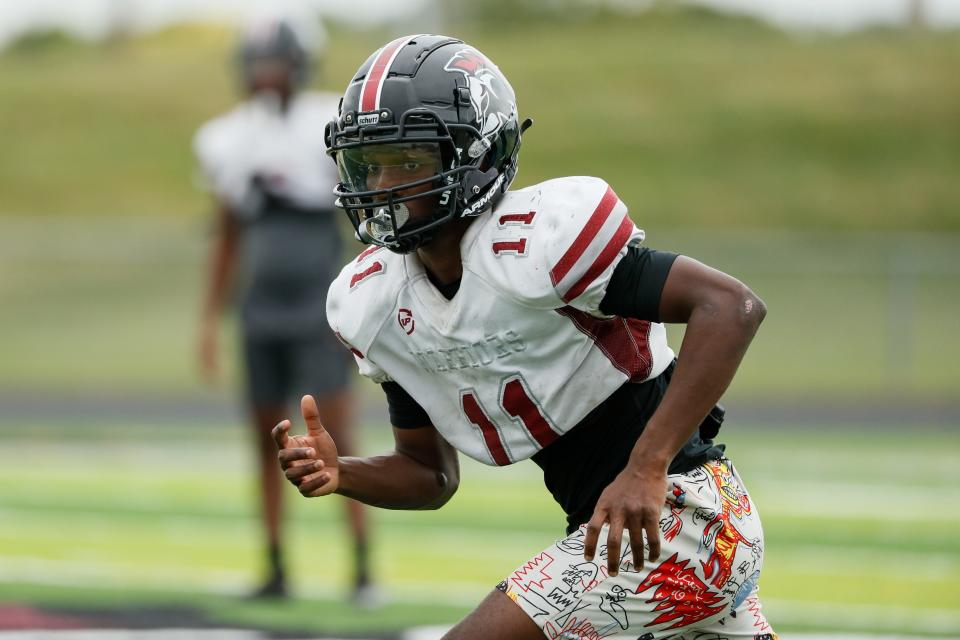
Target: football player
[[508, 325], [278, 240]]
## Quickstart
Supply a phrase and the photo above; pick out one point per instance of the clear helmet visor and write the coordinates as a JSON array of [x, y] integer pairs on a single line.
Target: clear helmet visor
[[388, 166], [381, 173]]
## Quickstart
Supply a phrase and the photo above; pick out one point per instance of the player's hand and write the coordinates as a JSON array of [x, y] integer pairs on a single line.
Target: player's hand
[[308, 461], [633, 502], [208, 352]]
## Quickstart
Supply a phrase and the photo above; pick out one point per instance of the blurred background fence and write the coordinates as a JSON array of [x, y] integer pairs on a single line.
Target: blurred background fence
[[107, 306]]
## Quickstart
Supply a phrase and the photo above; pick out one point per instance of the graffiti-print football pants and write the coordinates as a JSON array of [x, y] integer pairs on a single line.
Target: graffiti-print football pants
[[703, 586]]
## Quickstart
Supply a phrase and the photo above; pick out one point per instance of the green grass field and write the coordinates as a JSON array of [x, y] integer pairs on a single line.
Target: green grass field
[[861, 530]]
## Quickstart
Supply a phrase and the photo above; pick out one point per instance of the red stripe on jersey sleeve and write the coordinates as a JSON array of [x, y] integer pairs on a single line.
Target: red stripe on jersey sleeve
[[603, 260], [586, 235]]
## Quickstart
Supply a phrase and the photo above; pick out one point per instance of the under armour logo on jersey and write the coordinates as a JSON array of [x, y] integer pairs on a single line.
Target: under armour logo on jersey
[[405, 318]]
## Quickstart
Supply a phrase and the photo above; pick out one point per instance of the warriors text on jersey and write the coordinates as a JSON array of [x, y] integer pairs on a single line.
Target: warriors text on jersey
[[522, 353]]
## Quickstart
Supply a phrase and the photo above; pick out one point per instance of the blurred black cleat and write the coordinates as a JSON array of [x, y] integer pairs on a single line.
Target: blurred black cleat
[[273, 589]]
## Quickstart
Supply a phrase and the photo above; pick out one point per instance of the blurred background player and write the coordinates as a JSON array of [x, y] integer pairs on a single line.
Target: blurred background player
[[277, 244]]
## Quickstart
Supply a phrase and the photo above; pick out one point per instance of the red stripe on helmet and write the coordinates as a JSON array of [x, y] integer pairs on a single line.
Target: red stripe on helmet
[[373, 83]]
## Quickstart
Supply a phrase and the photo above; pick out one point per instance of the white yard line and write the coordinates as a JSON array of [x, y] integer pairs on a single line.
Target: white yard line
[[838, 616], [826, 560], [418, 633], [858, 636], [436, 632], [844, 500], [139, 634], [942, 622]]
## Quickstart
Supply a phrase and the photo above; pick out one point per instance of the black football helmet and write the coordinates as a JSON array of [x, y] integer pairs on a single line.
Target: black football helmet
[[424, 95], [272, 38]]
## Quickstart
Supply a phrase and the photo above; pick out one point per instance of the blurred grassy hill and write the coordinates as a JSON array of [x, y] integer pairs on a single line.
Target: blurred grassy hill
[[696, 119], [821, 170]]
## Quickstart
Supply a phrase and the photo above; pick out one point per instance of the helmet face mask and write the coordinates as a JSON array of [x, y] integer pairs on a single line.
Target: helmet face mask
[[422, 93], [365, 153], [394, 187]]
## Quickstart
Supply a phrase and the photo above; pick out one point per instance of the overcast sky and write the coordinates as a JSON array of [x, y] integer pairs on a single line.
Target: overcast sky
[[90, 18]]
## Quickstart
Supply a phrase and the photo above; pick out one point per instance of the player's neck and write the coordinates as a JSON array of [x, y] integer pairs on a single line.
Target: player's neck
[[443, 264], [441, 257]]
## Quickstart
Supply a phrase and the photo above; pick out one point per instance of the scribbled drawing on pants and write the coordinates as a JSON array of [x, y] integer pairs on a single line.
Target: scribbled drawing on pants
[[703, 587]]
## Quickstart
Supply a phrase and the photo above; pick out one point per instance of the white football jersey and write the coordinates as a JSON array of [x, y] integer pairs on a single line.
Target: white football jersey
[[286, 149], [522, 352]]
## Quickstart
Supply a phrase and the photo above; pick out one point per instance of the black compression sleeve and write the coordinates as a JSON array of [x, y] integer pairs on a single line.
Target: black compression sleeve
[[636, 284], [405, 412]]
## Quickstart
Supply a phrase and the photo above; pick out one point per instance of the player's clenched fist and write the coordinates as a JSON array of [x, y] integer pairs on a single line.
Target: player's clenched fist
[[308, 461]]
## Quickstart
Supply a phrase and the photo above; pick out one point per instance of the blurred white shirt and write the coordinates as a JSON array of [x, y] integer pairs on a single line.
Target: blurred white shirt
[[285, 149]]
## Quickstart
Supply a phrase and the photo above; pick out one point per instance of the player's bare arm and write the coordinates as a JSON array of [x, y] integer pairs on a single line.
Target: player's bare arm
[[722, 315], [223, 260], [422, 472]]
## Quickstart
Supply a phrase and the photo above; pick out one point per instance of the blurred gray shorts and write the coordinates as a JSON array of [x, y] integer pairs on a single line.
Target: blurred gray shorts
[[282, 369]]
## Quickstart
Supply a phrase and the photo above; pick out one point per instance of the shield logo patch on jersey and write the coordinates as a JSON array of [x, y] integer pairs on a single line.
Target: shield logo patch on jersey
[[405, 318]]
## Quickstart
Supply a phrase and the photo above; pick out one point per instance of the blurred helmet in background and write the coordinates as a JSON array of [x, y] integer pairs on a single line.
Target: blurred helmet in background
[[273, 53], [415, 97]]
